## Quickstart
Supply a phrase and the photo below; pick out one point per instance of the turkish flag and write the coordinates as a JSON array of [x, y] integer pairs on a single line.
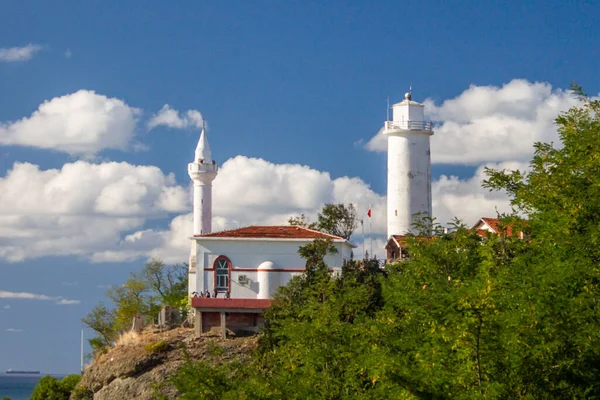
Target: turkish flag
[[369, 213]]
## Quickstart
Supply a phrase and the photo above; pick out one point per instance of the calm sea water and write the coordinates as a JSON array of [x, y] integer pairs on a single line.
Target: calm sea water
[[19, 387]]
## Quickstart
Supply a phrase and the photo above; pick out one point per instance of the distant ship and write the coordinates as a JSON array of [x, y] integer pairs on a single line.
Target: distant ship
[[11, 371]]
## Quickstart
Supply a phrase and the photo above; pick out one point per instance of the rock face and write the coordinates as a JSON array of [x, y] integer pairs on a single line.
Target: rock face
[[139, 365]]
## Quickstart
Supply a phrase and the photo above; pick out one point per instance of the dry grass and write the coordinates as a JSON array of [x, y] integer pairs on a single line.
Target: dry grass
[[128, 339]]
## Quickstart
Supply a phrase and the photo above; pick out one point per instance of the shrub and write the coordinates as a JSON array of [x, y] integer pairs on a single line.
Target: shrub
[[50, 388], [156, 348], [82, 393]]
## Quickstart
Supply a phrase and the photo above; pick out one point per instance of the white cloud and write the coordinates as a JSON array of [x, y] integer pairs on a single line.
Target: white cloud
[[251, 191], [62, 302], [171, 118], [6, 307], [466, 199], [68, 53], [100, 211], [33, 296], [14, 54], [81, 123], [492, 124], [13, 330], [81, 208]]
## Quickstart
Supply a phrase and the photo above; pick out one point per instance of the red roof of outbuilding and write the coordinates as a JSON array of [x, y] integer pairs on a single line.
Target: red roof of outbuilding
[[273, 232], [493, 223]]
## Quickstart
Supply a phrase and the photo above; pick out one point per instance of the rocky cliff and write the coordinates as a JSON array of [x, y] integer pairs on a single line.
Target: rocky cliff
[[139, 364]]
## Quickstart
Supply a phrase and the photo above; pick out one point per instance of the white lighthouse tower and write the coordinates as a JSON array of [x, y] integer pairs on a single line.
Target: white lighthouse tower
[[409, 166], [203, 170]]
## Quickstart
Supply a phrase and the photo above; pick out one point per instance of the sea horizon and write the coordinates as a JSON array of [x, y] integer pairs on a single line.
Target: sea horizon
[[21, 386]]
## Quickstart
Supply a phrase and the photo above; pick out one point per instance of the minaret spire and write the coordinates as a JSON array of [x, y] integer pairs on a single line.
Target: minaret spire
[[203, 149]]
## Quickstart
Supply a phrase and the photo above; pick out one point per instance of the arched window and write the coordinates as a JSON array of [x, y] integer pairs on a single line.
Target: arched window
[[222, 267]]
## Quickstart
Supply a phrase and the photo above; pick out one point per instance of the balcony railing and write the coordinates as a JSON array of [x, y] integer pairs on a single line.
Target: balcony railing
[[203, 167], [409, 126]]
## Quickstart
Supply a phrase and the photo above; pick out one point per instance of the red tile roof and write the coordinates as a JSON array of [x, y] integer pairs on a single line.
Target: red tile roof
[[399, 239], [493, 223], [272, 232]]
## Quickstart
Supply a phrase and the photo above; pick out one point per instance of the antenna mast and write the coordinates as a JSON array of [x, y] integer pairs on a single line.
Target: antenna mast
[[388, 109]]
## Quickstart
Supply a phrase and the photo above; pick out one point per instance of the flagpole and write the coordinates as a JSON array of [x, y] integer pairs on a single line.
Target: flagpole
[[362, 225], [371, 230], [387, 115]]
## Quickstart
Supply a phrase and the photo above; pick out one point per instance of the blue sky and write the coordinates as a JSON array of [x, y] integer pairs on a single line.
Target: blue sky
[[294, 94]]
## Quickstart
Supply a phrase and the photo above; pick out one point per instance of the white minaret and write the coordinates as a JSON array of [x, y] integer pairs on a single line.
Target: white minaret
[[409, 166], [203, 170]]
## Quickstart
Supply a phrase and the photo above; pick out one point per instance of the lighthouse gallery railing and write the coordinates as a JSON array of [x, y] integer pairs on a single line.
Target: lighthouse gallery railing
[[408, 125]]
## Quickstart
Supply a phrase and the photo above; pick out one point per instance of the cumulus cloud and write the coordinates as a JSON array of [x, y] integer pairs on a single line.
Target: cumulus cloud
[[171, 118], [81, 123], [466, 199], [101, 211], [492, 124], [251, 191], [33, 296], [14, 54], [81, 208]]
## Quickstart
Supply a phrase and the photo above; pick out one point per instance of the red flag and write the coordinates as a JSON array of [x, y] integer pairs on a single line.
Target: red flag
[[369, 213]]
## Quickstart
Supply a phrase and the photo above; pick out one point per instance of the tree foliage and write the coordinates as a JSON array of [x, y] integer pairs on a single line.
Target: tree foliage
[[102, 321], [50, 388], [144, 293], [338, 219], [335, 219]]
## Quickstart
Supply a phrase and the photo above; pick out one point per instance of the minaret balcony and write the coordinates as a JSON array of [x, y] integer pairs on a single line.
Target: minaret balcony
[[417, 126], [202, 166]]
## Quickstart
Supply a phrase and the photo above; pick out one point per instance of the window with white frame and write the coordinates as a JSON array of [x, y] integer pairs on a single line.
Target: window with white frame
[[222, 274]]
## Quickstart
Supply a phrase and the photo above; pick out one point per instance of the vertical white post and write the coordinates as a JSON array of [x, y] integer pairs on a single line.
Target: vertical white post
[[82, 352]]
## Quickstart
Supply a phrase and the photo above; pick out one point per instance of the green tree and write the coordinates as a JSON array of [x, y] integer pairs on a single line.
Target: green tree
[[102, 321], [335, 219], [131, 298], [338, 219], [168, 283], [50, 388], [156, 285], [560, 195], [302, 220]]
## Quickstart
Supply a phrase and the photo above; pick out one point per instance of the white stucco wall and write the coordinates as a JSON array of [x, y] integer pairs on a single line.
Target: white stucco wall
[[267, 264], [409, 180]]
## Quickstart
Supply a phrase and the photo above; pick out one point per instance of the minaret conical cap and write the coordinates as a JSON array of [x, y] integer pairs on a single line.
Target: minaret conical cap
[[203, 149]]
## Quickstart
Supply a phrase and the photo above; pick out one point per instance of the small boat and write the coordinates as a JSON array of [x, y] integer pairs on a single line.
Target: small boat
[[12, 371]]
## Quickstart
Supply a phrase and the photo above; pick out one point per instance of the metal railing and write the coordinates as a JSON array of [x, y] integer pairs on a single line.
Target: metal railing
[[409, 125]]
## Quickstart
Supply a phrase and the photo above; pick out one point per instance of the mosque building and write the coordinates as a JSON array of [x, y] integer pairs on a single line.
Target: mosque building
[[234, 274]]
